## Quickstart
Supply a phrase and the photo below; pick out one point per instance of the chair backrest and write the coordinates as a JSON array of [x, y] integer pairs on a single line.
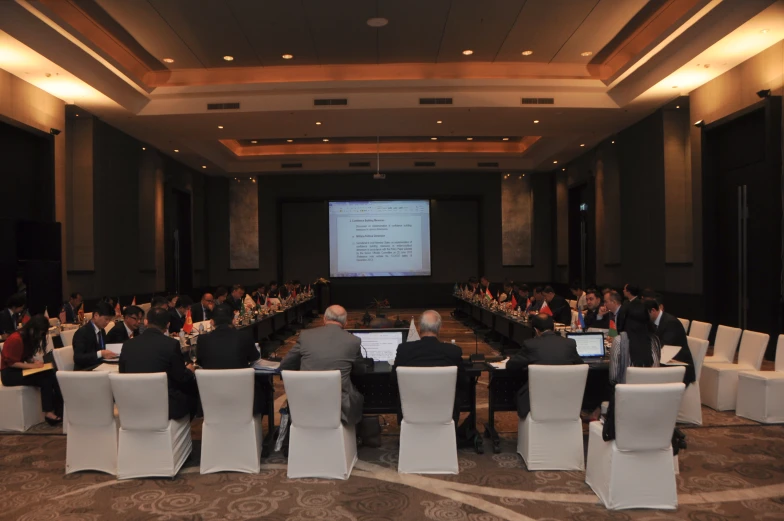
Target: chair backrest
[[780, 354], [655, 375], [698, 348], [88, 396], [64, 358], [573, 304], [67, 337], [752, 348], [726, 343], [314, 398], [53, 322], [556, 391], [700, 330], [49, 343], [226, 395], [145, 307], [88, 316], [142, 400], [645, 415], [109, 326], [427, 394], [685, 322]]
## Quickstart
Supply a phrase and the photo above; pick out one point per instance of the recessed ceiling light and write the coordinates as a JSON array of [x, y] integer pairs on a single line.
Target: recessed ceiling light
[[228, 58], [77, 115], [677, 106], [204, 166], [287, 56], [318, 122], [176, 150], [144, 148], [377, 22], [254, 141], [764, 31], [433, 138], [325, 140], [468, 52], [168, 60], [469, 138], [563, 169], [555, 162], [582, 144], [527, 53], [439, 121], [613, 142], [220, 126], [586, 53], [289, 141], [505, 139], [536, 121]]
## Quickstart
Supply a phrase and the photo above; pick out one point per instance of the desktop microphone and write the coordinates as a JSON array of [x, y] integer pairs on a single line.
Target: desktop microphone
[[367, 361], [477, 356]]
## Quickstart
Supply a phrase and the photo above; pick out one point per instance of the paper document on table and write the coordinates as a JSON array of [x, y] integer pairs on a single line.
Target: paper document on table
[[45, 367], [501, 364], [667, 353], [114, 348], [266, 365], [108, 368]]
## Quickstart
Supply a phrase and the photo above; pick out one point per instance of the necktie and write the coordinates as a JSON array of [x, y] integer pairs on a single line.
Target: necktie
[[101, 344]]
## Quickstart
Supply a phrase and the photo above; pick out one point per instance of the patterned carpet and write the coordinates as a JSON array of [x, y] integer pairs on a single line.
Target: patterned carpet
[[732, 470]]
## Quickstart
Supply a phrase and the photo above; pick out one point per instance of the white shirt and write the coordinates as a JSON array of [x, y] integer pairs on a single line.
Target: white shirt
[[658, 319], [130, 331]]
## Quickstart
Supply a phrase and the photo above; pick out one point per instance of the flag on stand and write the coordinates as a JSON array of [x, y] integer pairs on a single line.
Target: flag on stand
[[580, 320], [413, 334], [46, 313], [514, 302], [188, 326], [117, 310], [613, 330], [488, 294], [133, 303], [545, 309], [527, 304]]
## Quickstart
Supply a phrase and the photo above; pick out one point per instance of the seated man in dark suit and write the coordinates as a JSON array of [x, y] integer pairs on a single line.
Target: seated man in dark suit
[[89, 342], [614, 304], [9, 317], [227, 348], [71, 308], [159, 302], [671, 333], [221, 293], [128, 328], [328, 348], [273, 289], [178, 314], [596, 315], [429, 352], [558, 305], [235, 298], [154, 352], [201, 311], [260, 295], [546, 348]]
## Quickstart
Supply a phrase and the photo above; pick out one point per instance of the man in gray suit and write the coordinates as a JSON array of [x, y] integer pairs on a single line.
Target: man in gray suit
[[329, 348]]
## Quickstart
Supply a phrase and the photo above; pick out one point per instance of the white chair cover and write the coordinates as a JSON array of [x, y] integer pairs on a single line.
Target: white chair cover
[[428, 444], [761, 393], [231, 435], [691, 406], [64, 358], [320, 445], [109, 326], [20, 407], [725, 345], [551, 436], [636, 470], [686, 323], [92, 429], [145, 307], [150, 444], [655, 375], [700, 330], [719, 381], [53, 322], [67, 336]]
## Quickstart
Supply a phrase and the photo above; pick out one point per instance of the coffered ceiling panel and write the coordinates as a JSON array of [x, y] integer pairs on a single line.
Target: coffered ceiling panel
[[340, 30], [479, 26], [407, 38]]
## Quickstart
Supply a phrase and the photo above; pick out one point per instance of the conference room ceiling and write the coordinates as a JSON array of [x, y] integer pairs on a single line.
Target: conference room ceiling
[[590, 68]]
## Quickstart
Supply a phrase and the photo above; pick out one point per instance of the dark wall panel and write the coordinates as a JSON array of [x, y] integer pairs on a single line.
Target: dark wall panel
[[26, 175]]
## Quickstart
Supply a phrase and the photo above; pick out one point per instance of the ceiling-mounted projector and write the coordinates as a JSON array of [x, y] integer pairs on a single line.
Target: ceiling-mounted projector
[[379, 175]]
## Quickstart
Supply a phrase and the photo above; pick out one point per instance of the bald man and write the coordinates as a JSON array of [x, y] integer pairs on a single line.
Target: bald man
[[328, 348]]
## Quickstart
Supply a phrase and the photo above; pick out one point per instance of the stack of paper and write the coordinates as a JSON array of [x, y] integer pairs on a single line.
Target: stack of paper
[[501, 364], [266, 366]]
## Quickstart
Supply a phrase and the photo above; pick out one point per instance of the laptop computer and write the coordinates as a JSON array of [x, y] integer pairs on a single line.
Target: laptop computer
[[380, 344], [590, 346]]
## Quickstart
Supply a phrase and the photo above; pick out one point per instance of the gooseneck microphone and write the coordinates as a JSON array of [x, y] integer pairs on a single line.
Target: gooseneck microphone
[[367, 361]]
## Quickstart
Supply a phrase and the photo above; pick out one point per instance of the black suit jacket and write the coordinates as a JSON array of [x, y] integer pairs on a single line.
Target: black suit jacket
[[7, 322], [154, 352], [671, 333], [71, 314], [547, 349], [591, 320], [86, 347], [197, 313], [620, 320], [226, 348], [176, 321], [118, 334], [561, 311], [236, 305]]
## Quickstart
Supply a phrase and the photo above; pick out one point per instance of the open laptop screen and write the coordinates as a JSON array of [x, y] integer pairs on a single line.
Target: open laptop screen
[[589, 345]]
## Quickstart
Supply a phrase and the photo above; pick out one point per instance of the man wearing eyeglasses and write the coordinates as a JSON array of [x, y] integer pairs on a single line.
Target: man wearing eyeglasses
[[202, 310]]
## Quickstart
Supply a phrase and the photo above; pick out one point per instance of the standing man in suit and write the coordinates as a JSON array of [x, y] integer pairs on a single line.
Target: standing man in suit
[[614, 304], [596, 315], [71, 308], [89, 343], [128, 328], [430, 352], [177, 315], [546, 348], [235, 298], [671, 333], [631, 292], [9, 317], [227, 348], [328, 348], [154, 352], [202, 310], [558, 305]]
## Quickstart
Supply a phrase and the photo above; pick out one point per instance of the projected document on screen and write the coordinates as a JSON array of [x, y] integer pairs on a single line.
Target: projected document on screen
[[379, 238]]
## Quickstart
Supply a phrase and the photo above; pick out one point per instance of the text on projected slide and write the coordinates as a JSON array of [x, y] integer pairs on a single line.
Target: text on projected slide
[[379, 238]]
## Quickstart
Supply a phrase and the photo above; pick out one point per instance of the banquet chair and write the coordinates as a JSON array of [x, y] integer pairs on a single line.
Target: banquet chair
[[109, 326], [92, 430], [231, 434], [761, 393], [636, 469], [724, 345], [150, 444], [145, 307], [551, 436], [88, 317], [320, 445], [719, 381], [655, 375], [67, 336], [20, 407], [64, 361], [691, 405], [428, 444], [685, 322], [700, 330]]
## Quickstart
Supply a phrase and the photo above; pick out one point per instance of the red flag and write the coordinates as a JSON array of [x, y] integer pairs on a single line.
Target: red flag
[[188, 326], [488, 294], [117, 310], [514, 302], [293, 294], [612, 324], [545, 309]]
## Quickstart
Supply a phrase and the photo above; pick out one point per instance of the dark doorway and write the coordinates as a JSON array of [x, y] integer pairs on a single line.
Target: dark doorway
[[179, 252], [742, 219], [582, 236]]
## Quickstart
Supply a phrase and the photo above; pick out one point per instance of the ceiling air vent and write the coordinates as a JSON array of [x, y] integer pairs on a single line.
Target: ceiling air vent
[[291, 165], [223, 106], [330, 102], [435, 101], [359, 164], [538, 101], [424, 163], [487, 165]]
